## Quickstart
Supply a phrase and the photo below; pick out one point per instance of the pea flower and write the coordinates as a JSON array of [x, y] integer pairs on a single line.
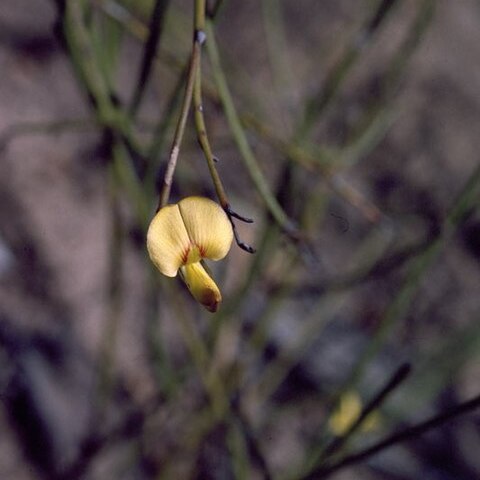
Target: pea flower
[[181, 235], [348, 412]]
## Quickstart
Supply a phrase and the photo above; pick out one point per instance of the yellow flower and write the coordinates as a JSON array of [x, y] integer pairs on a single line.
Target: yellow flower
[[347, 413], [181, 235]]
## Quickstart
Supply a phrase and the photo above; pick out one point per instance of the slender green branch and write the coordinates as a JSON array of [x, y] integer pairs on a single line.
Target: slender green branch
[[204, 141], [86, 54], [85, 61], [155, 31], [164, 122], [380, 115], [339, 73], [240, 138], [320, 161], [123, 16], [207, 150], [160, 134], [199, 17], [182, 121], [105, 37]]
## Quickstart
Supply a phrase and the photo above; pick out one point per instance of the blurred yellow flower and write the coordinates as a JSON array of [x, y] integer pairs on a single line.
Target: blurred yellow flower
[[181, 235], [347, 413]]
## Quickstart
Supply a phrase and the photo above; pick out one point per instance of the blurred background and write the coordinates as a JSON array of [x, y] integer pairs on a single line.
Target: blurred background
[[348, 130]]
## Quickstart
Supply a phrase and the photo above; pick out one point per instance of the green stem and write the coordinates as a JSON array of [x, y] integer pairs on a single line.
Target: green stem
[[180, 129], [240, 138], [198, 39], [155, 31], [204, 142], [85, 61], [339, 73]]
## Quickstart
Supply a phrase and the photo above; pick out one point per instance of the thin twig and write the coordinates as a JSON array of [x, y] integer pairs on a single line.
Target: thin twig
[[318, 160], [383, 266], [204, 141], [395, 380], [155, 31], [86, 57], [406, 434], [254, 449], [182, 121], [379, 116], [83, 57], [258, 178], [207, 150], [336, 77]]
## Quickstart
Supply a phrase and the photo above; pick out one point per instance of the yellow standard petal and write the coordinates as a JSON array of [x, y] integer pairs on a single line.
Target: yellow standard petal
[[208, 227], [168, 243], [201, 286]]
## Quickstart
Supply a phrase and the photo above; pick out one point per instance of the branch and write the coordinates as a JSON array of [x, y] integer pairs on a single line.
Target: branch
[[391, 440], [249, 160], [155, 31], [198, 39]]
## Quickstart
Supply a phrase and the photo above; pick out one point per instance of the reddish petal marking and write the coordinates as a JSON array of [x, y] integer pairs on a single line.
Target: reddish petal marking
[[185, 256]]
